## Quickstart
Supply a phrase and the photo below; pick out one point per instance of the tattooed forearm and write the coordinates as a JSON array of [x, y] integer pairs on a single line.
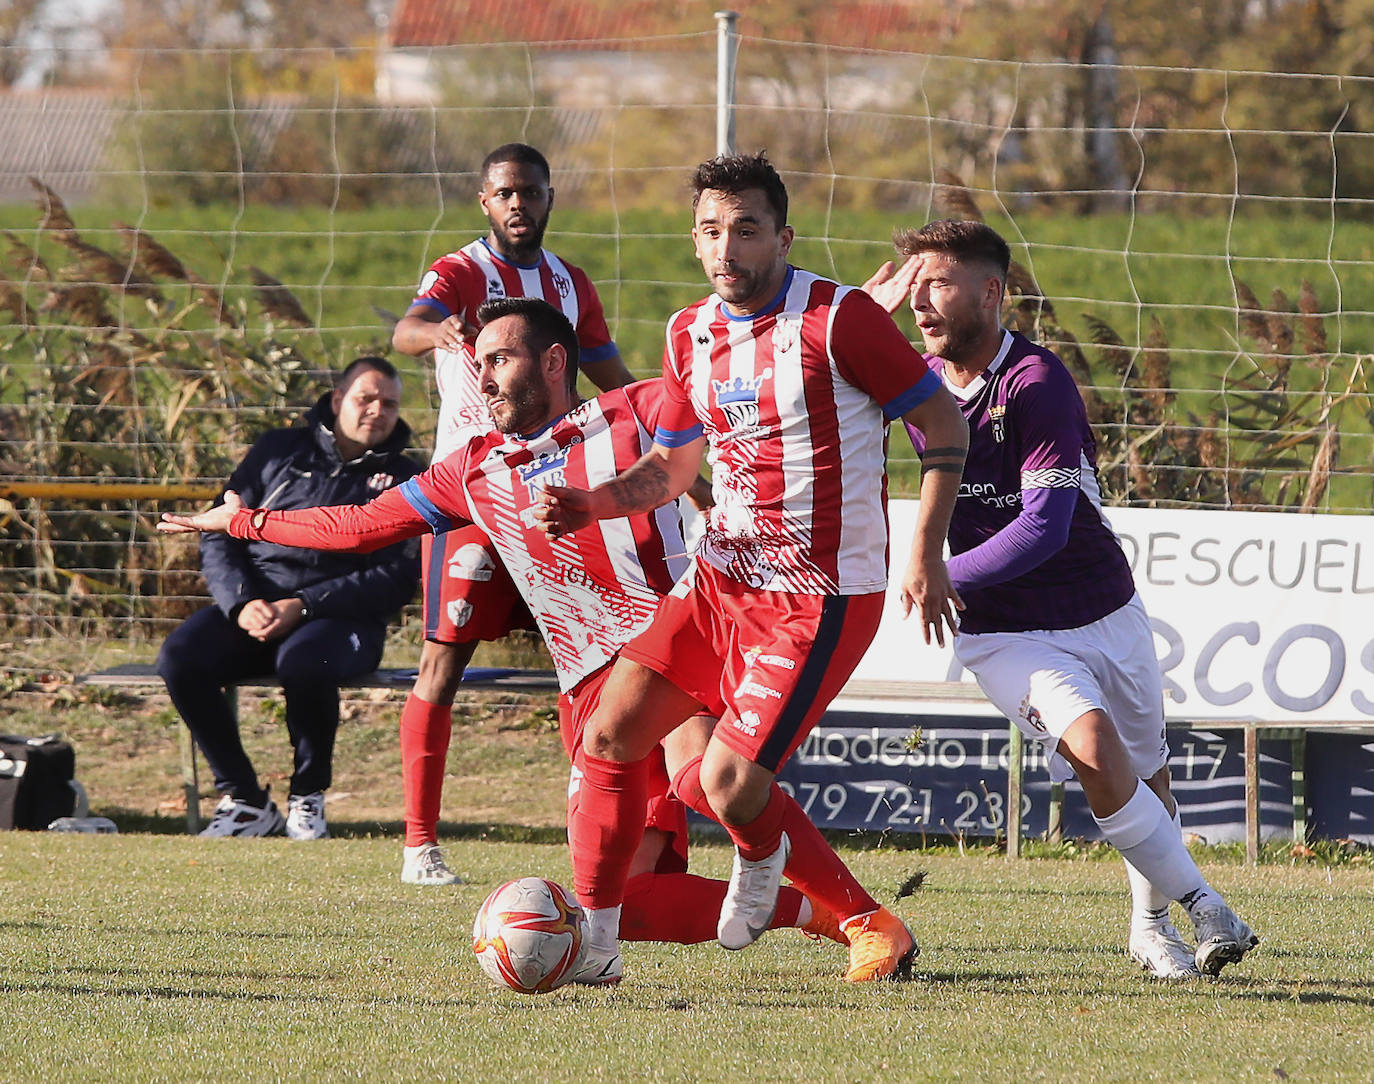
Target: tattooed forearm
[[640, 488], [949, 458]]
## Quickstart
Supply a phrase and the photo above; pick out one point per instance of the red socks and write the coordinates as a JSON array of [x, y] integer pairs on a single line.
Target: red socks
[[813, 865], [425, 732], [683, 909], [606, 826]]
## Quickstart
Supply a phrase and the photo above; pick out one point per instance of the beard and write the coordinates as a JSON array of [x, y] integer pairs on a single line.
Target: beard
[[958, 337], [526, 245], [524, 410]]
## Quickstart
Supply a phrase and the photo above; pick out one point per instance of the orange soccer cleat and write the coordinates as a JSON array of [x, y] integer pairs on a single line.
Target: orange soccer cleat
[[880, 947], [823, 923]]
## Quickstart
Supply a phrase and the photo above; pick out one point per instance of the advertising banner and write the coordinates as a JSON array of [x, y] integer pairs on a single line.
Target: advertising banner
[[1257, 615]]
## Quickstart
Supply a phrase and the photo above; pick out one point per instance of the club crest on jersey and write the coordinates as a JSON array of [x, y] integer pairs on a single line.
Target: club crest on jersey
[[562, 285], [495, 288], [545, 469], [997, 415], [786, 333], [738, 400], [1031, 714]]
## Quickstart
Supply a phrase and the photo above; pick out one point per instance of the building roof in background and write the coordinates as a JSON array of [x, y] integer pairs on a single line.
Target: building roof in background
[[603, 24], [56, 135]]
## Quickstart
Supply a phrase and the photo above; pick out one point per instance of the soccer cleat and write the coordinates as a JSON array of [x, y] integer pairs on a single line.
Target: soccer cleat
[[880, 947], [751, 898], [1160, 951], [823, 923], [425, 865], [598, 966], [305, 816], [235, 818], [1222, 938]]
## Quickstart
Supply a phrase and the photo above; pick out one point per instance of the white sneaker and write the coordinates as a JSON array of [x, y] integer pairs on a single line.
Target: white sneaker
[[305, 816], [1222, 938], [598, 966], [747, 910], [425, 865], [1162, 952], [235, 818]]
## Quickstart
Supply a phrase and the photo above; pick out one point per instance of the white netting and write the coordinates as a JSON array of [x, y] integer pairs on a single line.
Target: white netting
[[1202, 258]]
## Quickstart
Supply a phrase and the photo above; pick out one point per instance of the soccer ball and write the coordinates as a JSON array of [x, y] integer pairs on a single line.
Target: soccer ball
[[528, 935]]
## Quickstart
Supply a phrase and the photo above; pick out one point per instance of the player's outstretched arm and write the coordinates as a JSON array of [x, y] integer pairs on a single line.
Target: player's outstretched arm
[[891, 285], [424, 328], [926, 584], [661, 475], [342, 528], [216, 520]]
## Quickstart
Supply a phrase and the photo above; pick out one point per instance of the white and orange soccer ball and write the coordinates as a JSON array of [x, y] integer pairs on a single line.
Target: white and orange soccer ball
[[528, 935]]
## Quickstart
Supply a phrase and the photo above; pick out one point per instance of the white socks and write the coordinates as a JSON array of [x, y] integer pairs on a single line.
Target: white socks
[[1149, 906], [1151, 842], [603, 927]]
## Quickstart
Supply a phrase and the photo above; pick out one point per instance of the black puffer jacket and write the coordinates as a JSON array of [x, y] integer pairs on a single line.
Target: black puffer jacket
[[300, 467]]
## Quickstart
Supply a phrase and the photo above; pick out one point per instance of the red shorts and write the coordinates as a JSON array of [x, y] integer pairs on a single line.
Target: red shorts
[[469, 594], [662, 811], [768, 663]]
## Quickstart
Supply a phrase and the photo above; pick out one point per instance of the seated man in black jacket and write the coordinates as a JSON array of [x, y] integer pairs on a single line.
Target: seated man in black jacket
[[314, 619]]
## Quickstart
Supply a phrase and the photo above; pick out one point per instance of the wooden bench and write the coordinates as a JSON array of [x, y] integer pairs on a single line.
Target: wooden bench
[[143, 678]]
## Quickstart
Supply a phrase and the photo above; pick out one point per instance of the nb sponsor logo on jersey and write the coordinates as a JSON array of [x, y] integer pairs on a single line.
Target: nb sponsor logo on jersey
[[546, 468], [748, 723], [471, 562], [738, 400]]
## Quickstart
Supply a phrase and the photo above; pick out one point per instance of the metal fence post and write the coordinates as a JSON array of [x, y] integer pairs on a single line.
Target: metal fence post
[[727, 53]]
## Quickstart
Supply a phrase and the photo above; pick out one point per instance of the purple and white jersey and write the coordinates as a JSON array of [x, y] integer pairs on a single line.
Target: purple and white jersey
[[1029, 446]]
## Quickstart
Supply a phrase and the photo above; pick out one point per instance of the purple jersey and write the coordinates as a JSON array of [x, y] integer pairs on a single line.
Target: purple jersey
[[1028, 432]]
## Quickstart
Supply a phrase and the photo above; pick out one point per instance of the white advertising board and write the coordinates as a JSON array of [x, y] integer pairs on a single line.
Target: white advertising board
[[1257, 615]]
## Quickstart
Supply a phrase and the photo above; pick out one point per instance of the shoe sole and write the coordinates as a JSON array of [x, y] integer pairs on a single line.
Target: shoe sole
[[1212, 958], [1149, 969]]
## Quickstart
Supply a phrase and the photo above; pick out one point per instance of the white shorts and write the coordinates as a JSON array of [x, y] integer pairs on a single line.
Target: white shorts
[[1045, 680]]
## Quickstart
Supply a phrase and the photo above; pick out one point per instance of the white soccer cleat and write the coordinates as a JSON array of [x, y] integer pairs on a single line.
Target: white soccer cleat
[[1163, 953], [425, 865], [752, 897], [305, 816], [1222, 938], [235, 818], [598, 966]]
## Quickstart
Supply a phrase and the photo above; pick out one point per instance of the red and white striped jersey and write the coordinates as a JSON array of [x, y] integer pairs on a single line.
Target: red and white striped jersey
[[591, 591], [458, 283], [794, 401]]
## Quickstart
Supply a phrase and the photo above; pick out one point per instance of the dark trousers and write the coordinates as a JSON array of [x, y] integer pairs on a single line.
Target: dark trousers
[[208, 652]]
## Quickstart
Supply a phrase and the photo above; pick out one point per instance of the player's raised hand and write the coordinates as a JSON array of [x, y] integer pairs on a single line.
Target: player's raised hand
[[926, 586], [890, 285], [216, 519], [561, 510]]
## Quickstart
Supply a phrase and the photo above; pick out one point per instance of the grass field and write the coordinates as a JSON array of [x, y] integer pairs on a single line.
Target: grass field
[[152, 956]]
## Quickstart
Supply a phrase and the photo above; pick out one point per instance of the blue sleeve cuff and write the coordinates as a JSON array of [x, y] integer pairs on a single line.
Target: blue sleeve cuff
[[676, 438], [914, 396], [430, 302], [415, 497], [598, 353]]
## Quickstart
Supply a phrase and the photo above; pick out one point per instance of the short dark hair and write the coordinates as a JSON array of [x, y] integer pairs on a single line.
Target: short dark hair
[[962, 239], [544, 326], [521, 153], [362, 365], [736, 173]]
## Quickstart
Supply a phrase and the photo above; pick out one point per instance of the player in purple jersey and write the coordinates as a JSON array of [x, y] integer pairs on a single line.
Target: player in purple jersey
[[1052, 626]]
